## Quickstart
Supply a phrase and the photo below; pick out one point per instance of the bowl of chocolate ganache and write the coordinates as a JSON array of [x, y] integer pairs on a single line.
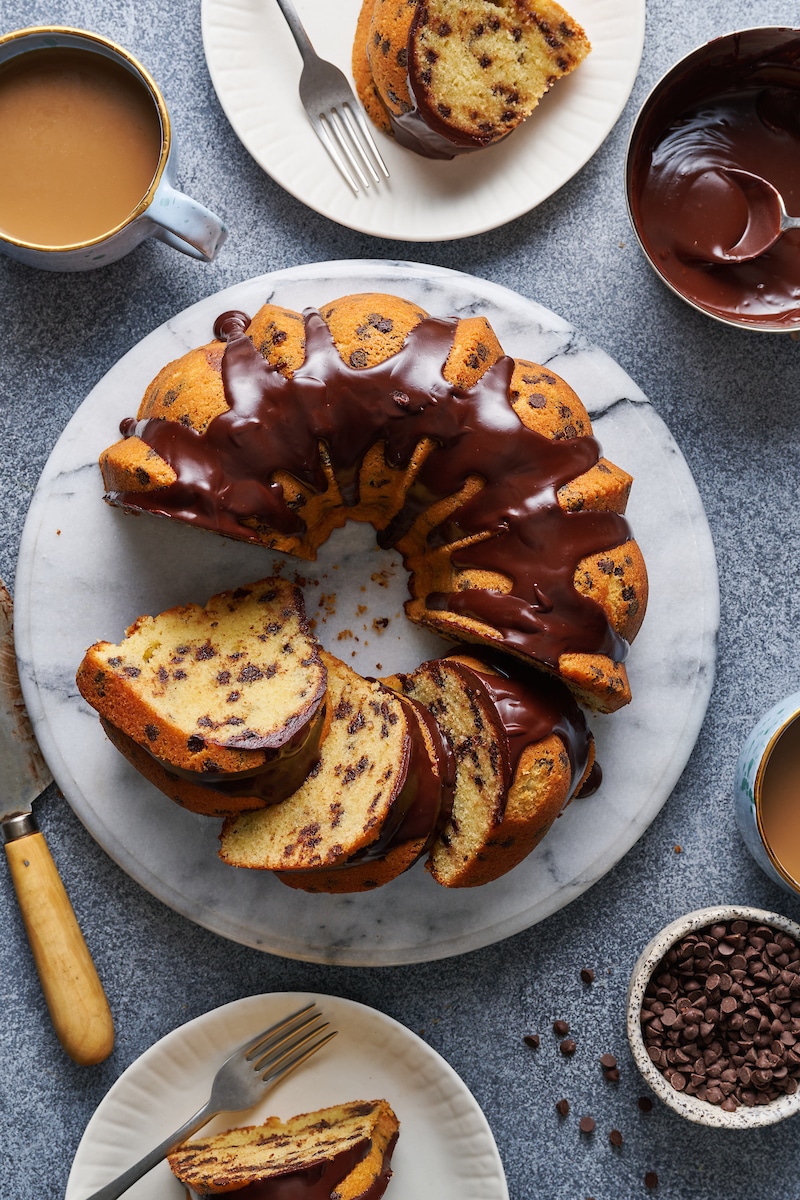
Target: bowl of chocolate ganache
[[728, 110]]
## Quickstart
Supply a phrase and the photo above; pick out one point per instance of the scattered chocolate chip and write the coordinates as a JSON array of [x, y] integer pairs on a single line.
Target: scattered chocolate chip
[[562, 1108], [607, 1061], [587, 1124], [612, 1075], [615, 1137], [645, 1104], [651, 1180], [587, 975], [560, 1028], [567, 1047], [532, 1040]]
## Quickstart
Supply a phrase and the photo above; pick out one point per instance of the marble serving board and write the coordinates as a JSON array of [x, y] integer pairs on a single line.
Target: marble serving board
[[107, 568]]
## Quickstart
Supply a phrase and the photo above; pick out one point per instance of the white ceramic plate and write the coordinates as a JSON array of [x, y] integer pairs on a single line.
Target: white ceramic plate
[[86, 571], [445, 1148], [255, 68]]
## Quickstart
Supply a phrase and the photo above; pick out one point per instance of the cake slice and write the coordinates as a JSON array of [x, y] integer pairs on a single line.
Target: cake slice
[[522, 750], [221, 706], [431, 782], [449, 76], [357, 794], [344, 1152]]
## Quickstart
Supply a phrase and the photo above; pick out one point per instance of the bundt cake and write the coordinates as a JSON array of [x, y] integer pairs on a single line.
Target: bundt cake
[[222, 707], [445, 77], [480, 469], [371, 792], [339, 1153], [522, 750]]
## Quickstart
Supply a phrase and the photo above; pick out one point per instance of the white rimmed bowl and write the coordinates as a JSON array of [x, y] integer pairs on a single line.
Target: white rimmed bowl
[[691, 1107]]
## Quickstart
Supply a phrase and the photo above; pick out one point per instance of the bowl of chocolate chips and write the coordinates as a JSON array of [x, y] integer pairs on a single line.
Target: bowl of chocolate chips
[[714, 1016]]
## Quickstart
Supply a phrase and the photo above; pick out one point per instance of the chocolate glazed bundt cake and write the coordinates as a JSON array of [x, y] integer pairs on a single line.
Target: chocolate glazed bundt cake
[[481, 470], [446, 77], [339, 1153]]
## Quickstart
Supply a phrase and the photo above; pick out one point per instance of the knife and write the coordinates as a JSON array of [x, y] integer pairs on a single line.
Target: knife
[[71, 986]]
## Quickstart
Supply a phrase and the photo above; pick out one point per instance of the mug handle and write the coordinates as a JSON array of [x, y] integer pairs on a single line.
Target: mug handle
[[185, 224]]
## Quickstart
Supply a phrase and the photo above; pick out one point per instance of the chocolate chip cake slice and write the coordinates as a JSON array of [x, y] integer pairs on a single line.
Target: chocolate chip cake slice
[[344, 1151], [354, 795], [430, 781], [522, 749], [215, 697], [446, 76]]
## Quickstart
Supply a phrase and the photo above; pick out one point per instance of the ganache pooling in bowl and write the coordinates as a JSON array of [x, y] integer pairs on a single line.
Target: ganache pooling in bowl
[[736, 110]]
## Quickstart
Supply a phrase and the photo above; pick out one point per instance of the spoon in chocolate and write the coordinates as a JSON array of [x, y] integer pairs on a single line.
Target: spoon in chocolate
[[767, 220]]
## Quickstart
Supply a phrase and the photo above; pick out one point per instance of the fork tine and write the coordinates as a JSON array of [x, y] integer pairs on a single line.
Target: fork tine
[[349, 131], [322, 130], [272, 1056], [280, 1072], [280, 1027], [337, 130], [360, 132]]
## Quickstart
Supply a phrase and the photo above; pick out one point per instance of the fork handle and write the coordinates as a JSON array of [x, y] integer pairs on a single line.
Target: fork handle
[[298, 32], [128, 1178]]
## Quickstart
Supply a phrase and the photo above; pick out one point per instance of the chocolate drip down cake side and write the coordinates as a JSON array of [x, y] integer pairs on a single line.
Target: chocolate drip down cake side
[[482, 472]]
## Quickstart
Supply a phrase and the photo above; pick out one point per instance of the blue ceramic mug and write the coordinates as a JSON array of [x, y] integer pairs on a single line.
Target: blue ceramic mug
[[748, 788], [162, 211]]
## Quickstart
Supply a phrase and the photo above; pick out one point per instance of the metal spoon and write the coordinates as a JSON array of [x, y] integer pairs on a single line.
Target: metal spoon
[[767, 218]]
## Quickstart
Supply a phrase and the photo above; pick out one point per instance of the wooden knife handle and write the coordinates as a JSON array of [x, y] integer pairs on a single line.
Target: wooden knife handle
[[71, 986]]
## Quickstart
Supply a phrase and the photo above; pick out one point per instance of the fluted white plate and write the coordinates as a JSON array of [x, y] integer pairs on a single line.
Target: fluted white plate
[[255, 67], [445, 1148], [86, 571]]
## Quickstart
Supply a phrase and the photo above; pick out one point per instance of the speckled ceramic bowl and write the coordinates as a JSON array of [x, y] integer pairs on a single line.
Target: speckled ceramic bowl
[[691, 1107]]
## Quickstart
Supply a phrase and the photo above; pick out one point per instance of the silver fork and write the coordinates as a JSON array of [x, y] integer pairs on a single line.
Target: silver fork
[[334, 112], [241, 1081]]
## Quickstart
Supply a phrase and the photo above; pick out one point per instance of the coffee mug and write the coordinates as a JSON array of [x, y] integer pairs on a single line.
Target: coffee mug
[[55, 212], [766, 793]]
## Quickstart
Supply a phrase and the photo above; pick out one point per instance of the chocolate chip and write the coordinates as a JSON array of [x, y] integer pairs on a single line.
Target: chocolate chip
[[645, 1104], [567, 1047], [615, 1137], [587, 975], [651, 1180], [587, 1124], [562, 1108], [608, 1061], [717, 1015], [560, 1028]]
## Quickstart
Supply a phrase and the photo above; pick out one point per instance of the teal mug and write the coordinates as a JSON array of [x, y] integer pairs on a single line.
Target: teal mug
[[55, 212], [767, 793]]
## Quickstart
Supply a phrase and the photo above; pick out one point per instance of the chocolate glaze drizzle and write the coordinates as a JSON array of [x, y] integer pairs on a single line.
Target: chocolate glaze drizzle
[[225, 475], [531, 706]]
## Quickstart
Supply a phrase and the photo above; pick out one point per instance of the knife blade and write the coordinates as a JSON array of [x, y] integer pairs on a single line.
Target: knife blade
[[72, 988]]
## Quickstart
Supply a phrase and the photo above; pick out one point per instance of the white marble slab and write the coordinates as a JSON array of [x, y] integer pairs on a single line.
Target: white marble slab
[[86, 570]]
